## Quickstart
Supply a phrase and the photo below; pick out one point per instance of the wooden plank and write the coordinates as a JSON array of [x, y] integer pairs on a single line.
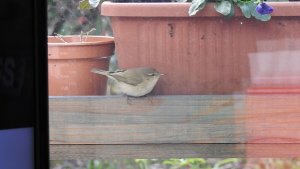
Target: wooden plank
[[161, 119], [272, 119], [175, 119], [64, 152], [71, 152]]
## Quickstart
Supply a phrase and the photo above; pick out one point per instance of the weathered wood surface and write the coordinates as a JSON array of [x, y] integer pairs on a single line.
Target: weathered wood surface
[[199, 121], [71, 152]]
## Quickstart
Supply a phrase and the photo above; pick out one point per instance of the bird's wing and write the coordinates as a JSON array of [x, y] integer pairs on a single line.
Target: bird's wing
[[123, 76], [99, 71]]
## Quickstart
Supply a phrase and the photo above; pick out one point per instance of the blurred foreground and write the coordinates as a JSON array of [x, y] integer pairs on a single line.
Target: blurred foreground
[[190, 163]]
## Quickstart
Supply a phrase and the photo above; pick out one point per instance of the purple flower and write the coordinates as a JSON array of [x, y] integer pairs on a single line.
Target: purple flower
[[264, 8]]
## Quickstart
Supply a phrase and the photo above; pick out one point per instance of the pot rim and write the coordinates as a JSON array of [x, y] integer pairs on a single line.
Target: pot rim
[[102, 40], [166, 9]]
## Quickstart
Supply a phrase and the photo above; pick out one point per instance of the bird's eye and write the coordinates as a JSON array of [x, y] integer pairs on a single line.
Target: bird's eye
[[151, 74]]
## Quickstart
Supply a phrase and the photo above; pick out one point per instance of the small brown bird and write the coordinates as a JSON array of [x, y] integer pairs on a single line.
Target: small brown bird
[[134, 82]]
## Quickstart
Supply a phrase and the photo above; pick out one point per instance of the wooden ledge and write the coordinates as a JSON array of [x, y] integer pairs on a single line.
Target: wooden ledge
[[71, 152], [198, 124]]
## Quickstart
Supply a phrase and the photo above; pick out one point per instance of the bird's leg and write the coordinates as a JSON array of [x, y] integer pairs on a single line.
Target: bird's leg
[[128, 100], [149, 97]]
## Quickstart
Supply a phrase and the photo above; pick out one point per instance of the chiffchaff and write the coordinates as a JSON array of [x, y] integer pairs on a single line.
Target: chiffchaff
[[134, 82]]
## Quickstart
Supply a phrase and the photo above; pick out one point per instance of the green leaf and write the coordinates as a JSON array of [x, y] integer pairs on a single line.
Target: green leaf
[[196, 6], [223, 162], [224, 7], [182, 1], [197, 160], [246, 8], [84, 5], [88, 4], [261, 17], [231, 11], [94, 3]]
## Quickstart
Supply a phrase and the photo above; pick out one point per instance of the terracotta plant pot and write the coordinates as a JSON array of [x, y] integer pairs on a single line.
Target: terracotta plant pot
[[69, 65], [204, 54]]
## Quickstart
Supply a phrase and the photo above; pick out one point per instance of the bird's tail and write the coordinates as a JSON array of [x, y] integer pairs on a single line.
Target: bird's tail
[[99, 71]]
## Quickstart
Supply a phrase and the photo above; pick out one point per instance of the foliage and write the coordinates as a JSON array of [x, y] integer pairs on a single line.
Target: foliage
[[65, 18], [189, 163], [250, 8], [272, 163], [89, 4]]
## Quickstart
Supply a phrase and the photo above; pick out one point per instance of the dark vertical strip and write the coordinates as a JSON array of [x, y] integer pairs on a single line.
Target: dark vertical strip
[[41, 85]]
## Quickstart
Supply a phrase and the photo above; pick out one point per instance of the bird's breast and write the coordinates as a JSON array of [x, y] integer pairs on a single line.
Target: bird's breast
[[139, 90]]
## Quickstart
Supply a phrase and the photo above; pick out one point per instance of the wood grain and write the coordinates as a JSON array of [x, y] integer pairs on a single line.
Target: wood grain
[[64, 152], [161, 119], [175, 119], [175, 126], [71, 152], [272, 119]]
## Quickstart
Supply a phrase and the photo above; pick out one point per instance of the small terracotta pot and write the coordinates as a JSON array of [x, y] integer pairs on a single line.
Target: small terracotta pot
[[69, 65]]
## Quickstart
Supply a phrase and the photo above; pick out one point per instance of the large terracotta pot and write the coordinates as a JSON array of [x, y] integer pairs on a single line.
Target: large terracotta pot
[[70, 64], [204, 54]]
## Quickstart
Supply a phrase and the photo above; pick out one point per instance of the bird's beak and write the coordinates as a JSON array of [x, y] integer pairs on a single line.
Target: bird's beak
[[162, 74], [104, 57]]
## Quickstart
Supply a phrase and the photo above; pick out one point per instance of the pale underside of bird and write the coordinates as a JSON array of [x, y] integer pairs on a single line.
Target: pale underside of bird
[[134, 82]]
